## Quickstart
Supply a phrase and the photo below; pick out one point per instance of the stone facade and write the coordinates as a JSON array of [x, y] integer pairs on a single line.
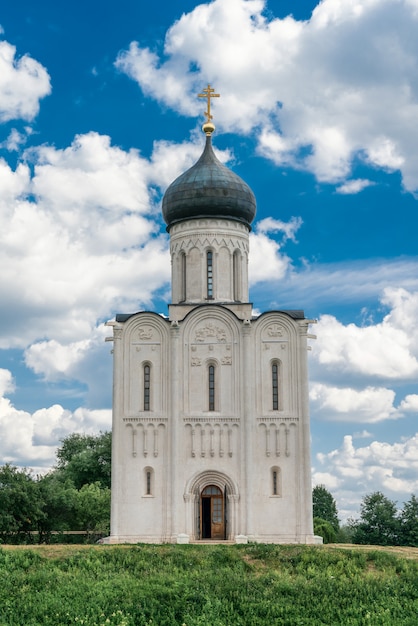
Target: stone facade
[[210, 411]]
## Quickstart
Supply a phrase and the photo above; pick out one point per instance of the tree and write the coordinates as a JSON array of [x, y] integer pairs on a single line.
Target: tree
[[20, 502], [378, 524], [408, 532], [59, 505], [85, 459], [324, 529], [93, 508], [324, 506]]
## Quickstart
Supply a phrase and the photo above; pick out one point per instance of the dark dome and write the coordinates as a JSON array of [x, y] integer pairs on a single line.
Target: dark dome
[[208, 189]]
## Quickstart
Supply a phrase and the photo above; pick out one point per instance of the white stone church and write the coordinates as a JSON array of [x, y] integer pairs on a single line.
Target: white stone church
[[210, 427]]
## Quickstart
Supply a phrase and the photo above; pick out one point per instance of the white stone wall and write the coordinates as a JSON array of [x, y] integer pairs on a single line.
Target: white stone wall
[[181, 442], [189, 243], [187, 447]]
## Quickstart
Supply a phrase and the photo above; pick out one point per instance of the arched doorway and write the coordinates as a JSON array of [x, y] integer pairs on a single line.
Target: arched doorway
[[194, 494], [212, 513]]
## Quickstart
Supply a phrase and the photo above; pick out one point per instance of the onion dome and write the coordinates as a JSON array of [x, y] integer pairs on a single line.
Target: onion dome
[[208, 190]]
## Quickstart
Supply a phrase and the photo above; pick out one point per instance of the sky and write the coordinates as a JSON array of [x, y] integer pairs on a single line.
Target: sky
[[318, 114]]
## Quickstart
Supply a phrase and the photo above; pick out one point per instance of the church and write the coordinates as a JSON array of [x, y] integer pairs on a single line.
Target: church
[[210, 431]]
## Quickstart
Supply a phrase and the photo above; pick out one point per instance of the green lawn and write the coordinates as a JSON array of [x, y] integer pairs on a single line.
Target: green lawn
[[219, 585]]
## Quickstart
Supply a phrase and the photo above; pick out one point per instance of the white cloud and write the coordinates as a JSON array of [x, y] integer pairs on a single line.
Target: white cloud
[[23, 83], [6, 382], [409, 404], [388, 349], [266, 262], [14, 141], [364, 434], [354, 186], [31, 440], [270, 225], [78, 238], [352, 472], [369, 405], [316, 93]]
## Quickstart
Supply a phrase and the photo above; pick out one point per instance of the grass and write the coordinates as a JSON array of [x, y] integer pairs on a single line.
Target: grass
[[210, 585]]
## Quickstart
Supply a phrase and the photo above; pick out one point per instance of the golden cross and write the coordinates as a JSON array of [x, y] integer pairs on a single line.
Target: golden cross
[[208, 93]]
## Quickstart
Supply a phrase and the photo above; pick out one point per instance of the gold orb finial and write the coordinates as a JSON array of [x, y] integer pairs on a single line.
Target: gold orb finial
[[208, 93], [208, 128]]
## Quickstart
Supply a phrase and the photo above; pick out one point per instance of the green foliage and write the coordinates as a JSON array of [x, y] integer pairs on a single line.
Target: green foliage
[[208, 585], [92, 509], [408, 520], [325, 530], [324, 506], [345, 534], [20, 503], [378, 524], [74, 496], [86, 459], [59, 499]]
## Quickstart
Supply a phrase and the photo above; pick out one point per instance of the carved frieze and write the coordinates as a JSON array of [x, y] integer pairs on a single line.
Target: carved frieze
[[210, 331], [145, 333], [275, 330]]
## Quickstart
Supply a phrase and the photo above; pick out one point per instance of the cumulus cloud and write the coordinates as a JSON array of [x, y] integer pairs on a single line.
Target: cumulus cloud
[[410, 404], [352, 472], [289, 229], [369, 405], [315, 93], [80, 236], [388, 349], [31, 440], [23, 83], [267, 262], [6, 382], [354, 186]]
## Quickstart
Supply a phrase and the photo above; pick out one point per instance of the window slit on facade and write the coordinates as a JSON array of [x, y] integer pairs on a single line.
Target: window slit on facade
[[148, 486], [209, 274], [236, 276], [211, 372], [183, 277], [275, 482], [275, 385], [147, 387]]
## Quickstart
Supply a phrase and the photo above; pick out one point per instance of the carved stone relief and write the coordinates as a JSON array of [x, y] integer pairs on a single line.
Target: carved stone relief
[[275, 330], [213, 441], [210, 331], [274, 435], [145, 332], [148, 440]]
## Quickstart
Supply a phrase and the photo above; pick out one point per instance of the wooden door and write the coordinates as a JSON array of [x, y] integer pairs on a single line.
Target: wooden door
[[212, 513]]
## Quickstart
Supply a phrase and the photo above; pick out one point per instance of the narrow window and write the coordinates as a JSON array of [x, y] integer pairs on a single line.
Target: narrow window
[[211, 387], [209, 273], [183, 277], [275, 385], [149, 481], [275, 481], [147, 387], [236, 275]]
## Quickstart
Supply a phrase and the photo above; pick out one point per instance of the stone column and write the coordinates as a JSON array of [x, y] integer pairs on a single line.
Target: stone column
[[305, 506], [246, 427], [173, 494], [117, 426]]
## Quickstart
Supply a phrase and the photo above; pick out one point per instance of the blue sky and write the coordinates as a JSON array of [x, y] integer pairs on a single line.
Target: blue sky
[[318, 113]]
